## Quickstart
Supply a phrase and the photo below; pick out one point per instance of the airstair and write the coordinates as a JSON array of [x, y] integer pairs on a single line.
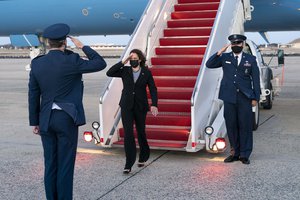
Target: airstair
[[178, 36]]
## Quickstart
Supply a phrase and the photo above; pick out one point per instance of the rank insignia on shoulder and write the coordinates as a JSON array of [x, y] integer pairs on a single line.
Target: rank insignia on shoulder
[[40, 55]]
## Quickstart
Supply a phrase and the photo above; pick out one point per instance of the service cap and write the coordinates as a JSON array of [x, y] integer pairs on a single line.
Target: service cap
[[236, 38], [57, 31]]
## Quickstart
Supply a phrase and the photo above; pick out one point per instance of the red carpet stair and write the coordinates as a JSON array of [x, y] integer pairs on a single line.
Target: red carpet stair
[[175, 68]]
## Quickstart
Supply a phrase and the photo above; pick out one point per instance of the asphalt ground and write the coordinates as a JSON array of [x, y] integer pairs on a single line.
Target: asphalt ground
[[272, 174]]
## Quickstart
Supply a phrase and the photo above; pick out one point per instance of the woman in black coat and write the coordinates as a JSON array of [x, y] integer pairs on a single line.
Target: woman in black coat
[[134, 104]]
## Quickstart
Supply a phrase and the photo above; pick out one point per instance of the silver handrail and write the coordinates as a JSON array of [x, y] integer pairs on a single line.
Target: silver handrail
[[149, 36], [112, 131], [207, 51], [246, 4], [154, 25], [125, 50]]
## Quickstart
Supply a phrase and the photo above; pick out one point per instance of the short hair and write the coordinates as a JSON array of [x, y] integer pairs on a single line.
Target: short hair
[[141, 56], [56, 43]]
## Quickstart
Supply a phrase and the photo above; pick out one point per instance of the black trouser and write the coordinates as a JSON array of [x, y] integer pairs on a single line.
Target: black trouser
[[60, 144], [238, 120], [139, 117]]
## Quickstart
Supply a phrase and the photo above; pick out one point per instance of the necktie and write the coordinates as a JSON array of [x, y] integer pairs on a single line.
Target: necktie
[[236, 60]]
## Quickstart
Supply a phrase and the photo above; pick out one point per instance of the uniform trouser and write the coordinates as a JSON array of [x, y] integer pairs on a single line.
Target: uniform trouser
[[60, 144], [238, 120], [139, 117]]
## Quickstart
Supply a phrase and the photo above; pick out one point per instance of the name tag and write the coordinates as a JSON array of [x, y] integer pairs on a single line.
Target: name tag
[[228, 62], [247, 64]]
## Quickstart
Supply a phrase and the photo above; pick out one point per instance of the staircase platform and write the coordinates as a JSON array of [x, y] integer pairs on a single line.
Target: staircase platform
[[163, 133], [175, 67], [170, 145]]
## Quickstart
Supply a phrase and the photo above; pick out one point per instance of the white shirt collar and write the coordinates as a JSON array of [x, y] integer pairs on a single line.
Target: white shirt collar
[[239, 57]]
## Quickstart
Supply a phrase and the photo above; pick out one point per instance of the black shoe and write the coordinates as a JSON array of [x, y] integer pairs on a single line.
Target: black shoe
[[245, 161], [126, 171], [141, 164], [231, 158]]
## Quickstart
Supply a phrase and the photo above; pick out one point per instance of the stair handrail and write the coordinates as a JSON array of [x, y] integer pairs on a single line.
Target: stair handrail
[[111, 109], [157, 31], [207, 80], [106, 87], [147, 50]]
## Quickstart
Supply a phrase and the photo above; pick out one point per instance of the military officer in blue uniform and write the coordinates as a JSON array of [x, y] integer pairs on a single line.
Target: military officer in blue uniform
[[55, 106], [239, 90]]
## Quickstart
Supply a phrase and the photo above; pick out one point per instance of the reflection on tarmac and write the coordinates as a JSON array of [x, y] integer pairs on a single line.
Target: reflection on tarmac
[[272, 174]]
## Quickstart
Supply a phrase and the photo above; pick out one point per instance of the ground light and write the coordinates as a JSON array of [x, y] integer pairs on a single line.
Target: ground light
[[88, 136], [220, 144]]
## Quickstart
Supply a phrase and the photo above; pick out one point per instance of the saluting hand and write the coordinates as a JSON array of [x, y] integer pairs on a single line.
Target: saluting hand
[[127, 59], [223, 49], [154, 110], [77, 43]]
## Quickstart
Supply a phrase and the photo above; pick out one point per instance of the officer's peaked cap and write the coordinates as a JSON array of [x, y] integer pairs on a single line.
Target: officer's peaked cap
[[237, 38], [57, 31]]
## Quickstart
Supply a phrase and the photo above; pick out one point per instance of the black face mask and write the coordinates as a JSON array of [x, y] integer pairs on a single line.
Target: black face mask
[[237, 49], [134, 63]]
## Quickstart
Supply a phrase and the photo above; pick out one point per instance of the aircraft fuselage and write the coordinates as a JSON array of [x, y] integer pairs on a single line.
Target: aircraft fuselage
[[274, 15], [89, 17], [113, 17]]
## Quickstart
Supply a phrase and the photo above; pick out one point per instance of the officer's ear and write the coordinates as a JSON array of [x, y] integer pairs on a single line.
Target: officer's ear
[[65, 43], [47, 42]]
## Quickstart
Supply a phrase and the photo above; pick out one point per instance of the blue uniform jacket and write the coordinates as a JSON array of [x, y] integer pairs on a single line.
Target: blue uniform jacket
[[57, 77], [244, 77]]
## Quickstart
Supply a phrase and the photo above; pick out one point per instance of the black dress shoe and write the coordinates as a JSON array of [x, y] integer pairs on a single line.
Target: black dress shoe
[[245, 161], [141, 164], [126, 171], [231, 158]]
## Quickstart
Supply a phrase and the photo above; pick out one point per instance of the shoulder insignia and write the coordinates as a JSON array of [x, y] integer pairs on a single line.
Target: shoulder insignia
[[39, 56]]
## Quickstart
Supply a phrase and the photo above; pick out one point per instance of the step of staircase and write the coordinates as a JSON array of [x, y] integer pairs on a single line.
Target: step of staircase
[[173, 70], [173, 93], [159, 144], [198, 31], [168, 120], [194, 14], [177, 60], [176, 41], [197, 6], [169, 105], [196, 1], [178, 50], [180, 23], [175, 81], [162, 133]]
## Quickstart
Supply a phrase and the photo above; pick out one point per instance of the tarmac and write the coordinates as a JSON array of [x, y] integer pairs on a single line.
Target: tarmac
[[20, 53], [273, 173]]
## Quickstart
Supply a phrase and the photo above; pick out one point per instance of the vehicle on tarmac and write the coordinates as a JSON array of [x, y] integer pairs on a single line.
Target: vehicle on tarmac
[[266, 76]]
